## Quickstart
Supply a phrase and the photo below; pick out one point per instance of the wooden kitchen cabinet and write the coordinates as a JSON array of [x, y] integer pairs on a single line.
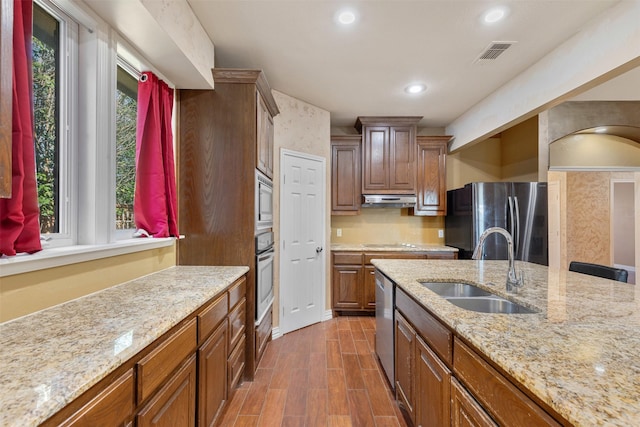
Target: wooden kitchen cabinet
[[433, 388], [405, 360], [175, 403], [388, 154], [212, 376], [431, 188], [353, 284], [442, 381], [264, 150], [346, 188], [225, 135], [112, 407], [192, 367], [465, 411]]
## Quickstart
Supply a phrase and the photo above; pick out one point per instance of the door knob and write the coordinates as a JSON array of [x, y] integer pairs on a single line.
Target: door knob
[[319, 249]]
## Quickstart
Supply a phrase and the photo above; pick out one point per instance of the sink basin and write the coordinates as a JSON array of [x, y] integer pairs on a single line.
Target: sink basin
[[446, 289], [490, 305]]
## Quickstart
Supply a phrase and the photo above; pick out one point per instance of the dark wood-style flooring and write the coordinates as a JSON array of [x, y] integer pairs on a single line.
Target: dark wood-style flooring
[[324, 375]]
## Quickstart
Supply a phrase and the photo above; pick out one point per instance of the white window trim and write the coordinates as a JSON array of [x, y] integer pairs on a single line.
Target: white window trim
[[99, 46], [66, 255]]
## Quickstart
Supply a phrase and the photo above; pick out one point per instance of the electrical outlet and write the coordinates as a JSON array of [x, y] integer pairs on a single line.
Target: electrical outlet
[[339, 232], [441, 234]]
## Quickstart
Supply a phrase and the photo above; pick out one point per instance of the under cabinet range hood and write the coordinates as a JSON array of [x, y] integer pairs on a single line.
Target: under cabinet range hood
[[388, 201]]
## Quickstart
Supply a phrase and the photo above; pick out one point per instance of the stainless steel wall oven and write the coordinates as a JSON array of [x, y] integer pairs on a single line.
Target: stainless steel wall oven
[[264, 202]]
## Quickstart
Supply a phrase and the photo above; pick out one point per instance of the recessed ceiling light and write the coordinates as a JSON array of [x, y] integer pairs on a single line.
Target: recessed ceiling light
[[494, 15], [415, 88], [347, 17]]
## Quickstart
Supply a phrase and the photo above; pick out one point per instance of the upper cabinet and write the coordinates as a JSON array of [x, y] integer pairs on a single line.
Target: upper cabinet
[[6, 49], [345, 175], [388, 158], [264, 146], [431, 176]]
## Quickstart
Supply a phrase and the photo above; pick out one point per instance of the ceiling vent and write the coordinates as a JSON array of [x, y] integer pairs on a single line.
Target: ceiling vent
[[493, 51]]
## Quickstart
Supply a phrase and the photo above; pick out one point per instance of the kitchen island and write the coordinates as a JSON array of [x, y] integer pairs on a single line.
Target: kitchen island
[[50, 358], [579, 355]]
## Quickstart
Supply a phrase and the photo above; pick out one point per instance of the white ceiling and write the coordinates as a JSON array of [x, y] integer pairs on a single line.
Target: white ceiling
[[363, 70]]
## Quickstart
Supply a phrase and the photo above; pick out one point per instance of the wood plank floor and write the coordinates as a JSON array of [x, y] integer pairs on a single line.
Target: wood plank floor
[[324, 375]]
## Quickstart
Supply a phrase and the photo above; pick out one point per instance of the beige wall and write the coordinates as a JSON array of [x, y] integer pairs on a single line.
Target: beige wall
[[509, 156], [519, 152], [26, 293], [303, 128], [386, 226], [594, 150]]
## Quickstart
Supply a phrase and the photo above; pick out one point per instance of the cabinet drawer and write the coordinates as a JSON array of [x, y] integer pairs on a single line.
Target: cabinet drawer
[[211, 317], [263, 332], [439, 338], [392, 255], [237, 292], [113, 406], [504, 401], [347, 258], [235, 367], [156, 367], [237, 323], [442, 255]]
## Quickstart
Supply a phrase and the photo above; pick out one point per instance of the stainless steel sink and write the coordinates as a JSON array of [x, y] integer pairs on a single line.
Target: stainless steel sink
[[492, 304], [446, 289], [470, 297]]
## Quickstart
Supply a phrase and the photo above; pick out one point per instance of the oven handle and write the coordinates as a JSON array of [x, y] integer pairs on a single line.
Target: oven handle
[[266, 255]]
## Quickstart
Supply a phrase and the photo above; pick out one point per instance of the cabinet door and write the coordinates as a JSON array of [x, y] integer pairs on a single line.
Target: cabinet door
[[375, 161], [465, 411], [264, 135], [212, 376], [433, 388], [402, 147], [345, 176], [112, 407], [432, 188], [175, 403], [370, 287], [405, 364], [347, 287]]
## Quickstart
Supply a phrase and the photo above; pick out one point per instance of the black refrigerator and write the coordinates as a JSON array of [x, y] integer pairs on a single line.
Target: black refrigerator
[[518, 207]]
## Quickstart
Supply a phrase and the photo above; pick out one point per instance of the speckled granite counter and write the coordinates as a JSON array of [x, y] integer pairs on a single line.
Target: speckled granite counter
[[580, 354], [49, 358], [391, 247]]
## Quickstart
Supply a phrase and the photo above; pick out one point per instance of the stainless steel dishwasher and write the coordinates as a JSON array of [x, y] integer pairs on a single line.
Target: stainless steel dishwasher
[[385, 326]]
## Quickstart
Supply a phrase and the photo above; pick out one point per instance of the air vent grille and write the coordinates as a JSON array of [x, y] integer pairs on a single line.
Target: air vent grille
[[493, 51]]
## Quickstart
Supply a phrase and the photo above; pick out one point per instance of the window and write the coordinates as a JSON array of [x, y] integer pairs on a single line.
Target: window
[[126, 118], [54, 51]]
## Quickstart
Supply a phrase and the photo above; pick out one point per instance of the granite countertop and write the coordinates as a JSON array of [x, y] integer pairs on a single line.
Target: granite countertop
[[391, 247], [580, 354], [49, 358]]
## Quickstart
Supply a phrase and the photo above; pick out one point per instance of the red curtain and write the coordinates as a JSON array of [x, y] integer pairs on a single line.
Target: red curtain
[[19, 215], [155, 202]]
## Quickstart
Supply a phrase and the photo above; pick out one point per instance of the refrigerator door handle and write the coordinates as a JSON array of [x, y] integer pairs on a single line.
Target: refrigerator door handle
[[516, 238]]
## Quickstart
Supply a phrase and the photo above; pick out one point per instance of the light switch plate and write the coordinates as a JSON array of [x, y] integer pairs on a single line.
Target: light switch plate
[[339, 232], [441, 234]]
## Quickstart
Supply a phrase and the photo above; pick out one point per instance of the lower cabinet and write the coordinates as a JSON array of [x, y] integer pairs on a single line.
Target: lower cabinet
[[195, 366], [465, 411], [212, 376], [441, 381], [353, 284], [175, 403]]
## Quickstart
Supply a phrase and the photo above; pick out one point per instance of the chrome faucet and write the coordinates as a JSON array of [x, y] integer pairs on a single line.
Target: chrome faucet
[[513, 280]]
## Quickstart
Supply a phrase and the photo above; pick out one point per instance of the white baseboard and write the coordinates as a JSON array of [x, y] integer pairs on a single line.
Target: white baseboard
[[275, 333]]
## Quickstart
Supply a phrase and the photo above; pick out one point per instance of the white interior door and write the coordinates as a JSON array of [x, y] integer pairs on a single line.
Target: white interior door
[[302, 235]]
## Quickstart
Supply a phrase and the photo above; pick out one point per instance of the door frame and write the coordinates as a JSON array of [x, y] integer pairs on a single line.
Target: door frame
[[323, 256]]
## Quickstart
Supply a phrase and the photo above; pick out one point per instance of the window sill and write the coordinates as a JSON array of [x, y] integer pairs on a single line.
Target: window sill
[[57, 257]]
